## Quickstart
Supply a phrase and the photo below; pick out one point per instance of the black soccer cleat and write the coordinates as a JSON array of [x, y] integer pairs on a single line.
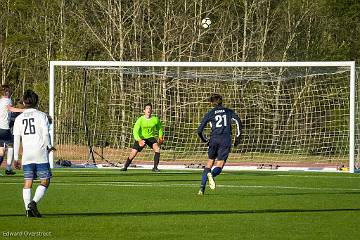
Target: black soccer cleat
[[155, 170], [123, 169], [33, 208], [9, 172], [29, 213]]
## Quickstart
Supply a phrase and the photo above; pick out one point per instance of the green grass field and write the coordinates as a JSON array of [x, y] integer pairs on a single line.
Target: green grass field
[[139, 204]]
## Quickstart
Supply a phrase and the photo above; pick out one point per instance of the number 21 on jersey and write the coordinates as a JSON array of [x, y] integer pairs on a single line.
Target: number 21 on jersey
[[220, 121]]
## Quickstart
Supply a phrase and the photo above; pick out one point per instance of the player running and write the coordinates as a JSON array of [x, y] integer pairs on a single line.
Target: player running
[[220, 139], [32, 129], [148, 130]]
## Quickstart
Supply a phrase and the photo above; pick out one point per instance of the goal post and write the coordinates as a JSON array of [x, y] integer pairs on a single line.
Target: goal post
[[234, 70]]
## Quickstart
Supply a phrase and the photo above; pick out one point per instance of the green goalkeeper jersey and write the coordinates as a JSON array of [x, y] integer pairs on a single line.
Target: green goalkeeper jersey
[[146, 128]]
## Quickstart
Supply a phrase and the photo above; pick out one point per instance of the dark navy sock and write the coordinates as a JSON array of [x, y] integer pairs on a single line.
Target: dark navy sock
[[216, 171], [1, 159], [204, 177]]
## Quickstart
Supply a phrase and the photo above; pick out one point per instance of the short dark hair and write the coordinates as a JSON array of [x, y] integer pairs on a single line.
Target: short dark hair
[[148, 104], [215, 99], [5, 90], [30, 99]]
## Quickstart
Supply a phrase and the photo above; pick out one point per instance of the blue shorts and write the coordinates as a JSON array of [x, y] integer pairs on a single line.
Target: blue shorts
[[6, 137], [219, 147], [33, 171]]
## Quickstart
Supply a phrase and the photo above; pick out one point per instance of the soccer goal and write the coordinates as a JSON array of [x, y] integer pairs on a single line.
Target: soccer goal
[[294, 113]]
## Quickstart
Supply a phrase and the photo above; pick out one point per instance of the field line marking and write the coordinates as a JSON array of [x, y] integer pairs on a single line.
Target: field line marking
[[316, 176], [144, 184]]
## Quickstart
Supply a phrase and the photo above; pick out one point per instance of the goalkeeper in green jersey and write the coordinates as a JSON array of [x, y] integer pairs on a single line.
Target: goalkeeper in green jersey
[[148, 130]]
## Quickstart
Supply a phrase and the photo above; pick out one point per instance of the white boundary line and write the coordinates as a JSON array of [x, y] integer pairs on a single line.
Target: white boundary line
[[226, 168], [144, 184]]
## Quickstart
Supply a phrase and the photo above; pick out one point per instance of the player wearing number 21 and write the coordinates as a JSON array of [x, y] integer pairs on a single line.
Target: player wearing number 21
[[148, 130], [219, 144], [31, 128]]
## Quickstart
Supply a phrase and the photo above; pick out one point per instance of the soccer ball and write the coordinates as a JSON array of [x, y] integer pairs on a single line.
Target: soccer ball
[[205, 23]]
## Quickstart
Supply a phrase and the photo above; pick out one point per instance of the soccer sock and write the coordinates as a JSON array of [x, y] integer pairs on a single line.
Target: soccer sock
[[9, 159], [204, 177], [156, 159], [216, 171], [27, 197], [127, 163], [1, 159], [39, 194]]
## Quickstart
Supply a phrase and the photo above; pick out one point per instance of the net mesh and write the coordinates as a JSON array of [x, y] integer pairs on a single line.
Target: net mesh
[[293, 115]]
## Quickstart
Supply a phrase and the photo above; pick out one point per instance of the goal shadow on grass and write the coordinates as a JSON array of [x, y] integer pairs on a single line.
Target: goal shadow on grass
[[170, 213]]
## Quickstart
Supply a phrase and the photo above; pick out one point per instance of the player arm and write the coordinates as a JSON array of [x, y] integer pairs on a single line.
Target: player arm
[[46, 134], [238, 124], [16, 147], [136, 129], [17, 138], [161, 132], [239, 128], [14, 109], [201, 128], [17, 163]]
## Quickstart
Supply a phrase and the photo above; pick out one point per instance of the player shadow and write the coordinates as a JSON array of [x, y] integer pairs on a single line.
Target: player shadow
[[200, 212]]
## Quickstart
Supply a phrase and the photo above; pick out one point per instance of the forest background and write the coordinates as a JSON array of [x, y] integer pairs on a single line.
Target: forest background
[[34, 32]]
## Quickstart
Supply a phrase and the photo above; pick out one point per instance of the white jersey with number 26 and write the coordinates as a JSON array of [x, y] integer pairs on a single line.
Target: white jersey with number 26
[[32, 127]]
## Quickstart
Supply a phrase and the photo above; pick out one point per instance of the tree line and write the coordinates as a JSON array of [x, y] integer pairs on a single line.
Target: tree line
[[34, 32]]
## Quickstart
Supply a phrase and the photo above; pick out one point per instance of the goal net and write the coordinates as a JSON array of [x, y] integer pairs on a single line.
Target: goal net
[[293, 113]]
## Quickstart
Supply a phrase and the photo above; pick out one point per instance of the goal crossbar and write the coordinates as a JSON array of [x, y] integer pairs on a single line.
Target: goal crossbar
[[350, 64]]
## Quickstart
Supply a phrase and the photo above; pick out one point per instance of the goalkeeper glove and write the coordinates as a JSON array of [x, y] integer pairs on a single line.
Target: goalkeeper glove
[[237, 141], [161, 140], [141, 142]]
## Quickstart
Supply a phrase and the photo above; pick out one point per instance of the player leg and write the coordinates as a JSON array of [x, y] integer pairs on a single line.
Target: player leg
[[29, 175], [2, 145], [218, 168], [44, 173], [9, 160], [1, 155], [204, 176], [223, 154], [212, 154], [134, 151], [156, 148], [132, 155]]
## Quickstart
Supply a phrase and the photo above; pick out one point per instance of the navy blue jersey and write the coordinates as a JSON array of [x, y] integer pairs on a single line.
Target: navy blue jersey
[[220, 119], [13, 115]]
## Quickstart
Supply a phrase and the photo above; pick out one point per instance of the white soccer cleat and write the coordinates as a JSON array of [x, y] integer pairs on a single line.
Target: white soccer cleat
[[201, 192], [212, 184]]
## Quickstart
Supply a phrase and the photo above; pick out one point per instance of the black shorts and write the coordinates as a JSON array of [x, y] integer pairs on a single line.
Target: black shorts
[[219, 147], [150, 142], [6, 137]]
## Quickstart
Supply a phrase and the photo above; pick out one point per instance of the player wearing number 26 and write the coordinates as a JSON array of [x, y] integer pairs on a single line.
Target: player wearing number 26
[[31, 128], [220, 119]]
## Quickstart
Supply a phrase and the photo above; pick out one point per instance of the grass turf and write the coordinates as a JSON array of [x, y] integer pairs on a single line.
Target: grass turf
[[140, 204]]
